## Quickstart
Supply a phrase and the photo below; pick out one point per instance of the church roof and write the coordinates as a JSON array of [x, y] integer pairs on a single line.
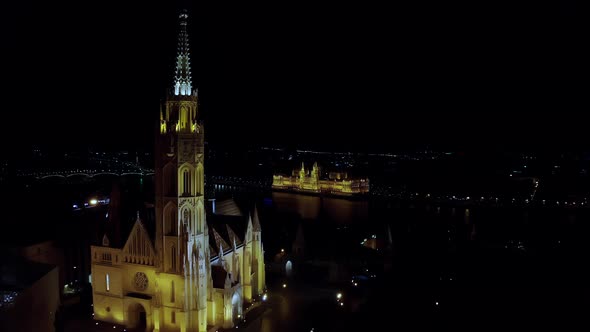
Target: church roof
[[212, 251], [232, 236], [223, 229], [218, 240], [126, 224], [139, 244], [227, 207]]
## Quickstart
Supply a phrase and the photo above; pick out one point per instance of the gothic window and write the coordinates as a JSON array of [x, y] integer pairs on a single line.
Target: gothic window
[[173, 221], [108, 280], [199, 220], [184, 118], [199, 180], [172, 291], [173, 258], [186, 181], [187, 219]]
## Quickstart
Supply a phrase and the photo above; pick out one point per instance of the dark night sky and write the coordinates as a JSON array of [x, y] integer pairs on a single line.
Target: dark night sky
[[453, 76]]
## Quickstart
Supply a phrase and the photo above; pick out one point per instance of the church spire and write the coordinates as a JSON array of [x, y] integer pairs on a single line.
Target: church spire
[[182, 78], [256, 225]]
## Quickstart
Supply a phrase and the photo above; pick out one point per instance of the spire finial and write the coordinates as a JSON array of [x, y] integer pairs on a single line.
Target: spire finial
[[182, 78]]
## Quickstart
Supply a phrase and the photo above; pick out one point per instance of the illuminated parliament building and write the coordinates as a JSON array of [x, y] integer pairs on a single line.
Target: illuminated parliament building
[[189, 275], [309, 181]]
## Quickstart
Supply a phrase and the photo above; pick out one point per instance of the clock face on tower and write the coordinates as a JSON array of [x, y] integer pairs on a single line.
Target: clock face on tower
[[141, 281]]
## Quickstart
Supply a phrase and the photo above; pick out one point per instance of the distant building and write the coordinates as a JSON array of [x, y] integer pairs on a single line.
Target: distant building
[[338, 183], [45, 252], [186, 273], [29, 295]]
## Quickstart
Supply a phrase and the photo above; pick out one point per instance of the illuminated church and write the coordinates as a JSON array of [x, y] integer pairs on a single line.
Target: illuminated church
[[192, 275]]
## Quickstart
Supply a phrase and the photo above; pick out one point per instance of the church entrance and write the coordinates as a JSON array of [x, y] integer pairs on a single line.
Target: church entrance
[[136, 318]]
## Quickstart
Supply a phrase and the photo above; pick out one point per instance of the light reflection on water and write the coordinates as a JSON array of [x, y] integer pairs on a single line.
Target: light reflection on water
[[339, 210]]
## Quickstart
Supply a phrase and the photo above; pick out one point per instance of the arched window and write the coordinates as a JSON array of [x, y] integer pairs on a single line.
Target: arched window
[[186, 181], [184, 118], [199, 219], [187, 219], [172, 291], [173, 258], [200, 180], [173, 221]]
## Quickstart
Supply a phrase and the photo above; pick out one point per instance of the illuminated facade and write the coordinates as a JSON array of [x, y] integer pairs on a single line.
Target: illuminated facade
[[189, 277], [303, 180]]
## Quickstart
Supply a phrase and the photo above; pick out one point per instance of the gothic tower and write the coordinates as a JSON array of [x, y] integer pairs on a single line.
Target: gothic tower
[[181, 240], [177, 281]]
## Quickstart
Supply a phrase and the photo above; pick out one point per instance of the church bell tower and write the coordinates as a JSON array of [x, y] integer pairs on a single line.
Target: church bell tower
[[181, 236]]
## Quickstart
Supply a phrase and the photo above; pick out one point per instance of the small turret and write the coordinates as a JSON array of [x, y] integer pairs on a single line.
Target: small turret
[[249, 227], [221, 258]]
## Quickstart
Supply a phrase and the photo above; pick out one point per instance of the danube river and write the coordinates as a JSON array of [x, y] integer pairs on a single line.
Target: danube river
[[434, 266], [442, 266]]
